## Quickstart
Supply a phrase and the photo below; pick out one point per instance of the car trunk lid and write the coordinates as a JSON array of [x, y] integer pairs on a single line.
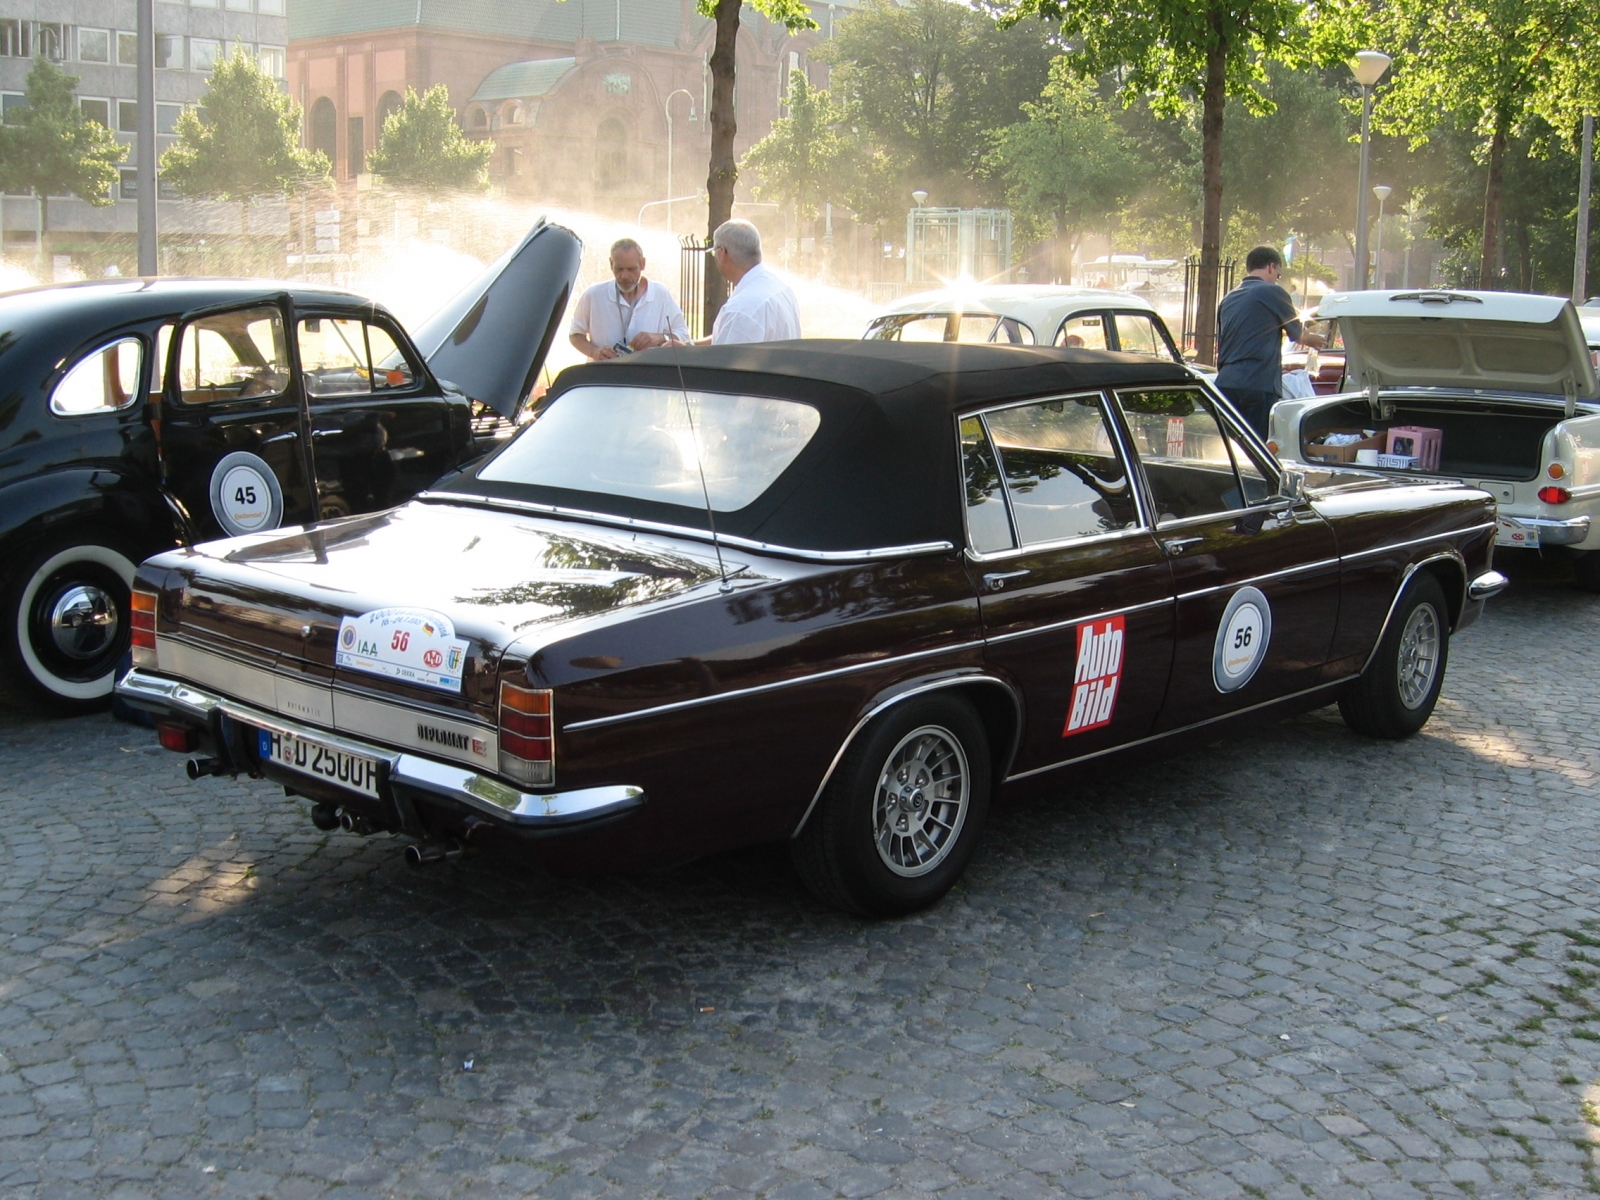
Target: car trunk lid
[[492, 337]]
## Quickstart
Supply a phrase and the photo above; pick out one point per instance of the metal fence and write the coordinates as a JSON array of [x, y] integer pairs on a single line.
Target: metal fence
[[1191, 293], [947, 244], [692, 281]]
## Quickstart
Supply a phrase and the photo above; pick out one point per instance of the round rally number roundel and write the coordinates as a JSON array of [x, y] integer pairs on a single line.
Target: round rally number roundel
[[1242, 638], [245, 495]]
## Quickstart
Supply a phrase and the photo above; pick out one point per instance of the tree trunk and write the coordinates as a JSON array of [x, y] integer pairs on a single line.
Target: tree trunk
[[244, 217], [724, 173], [1213, 98], [1488, 274]]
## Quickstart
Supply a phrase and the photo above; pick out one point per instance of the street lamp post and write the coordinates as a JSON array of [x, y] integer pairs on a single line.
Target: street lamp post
[[1382, 193], [667, 108], [1580, 258], [1368, 67]]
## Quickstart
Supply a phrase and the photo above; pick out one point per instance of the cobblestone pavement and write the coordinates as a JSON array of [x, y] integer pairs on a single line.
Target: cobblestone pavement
[[1289, 964]]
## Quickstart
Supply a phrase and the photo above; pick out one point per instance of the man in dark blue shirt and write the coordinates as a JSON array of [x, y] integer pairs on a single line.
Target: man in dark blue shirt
[[1251, 323]]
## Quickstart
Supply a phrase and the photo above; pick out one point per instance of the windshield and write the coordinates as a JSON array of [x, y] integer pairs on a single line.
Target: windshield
[[652, 444], [950, 327]]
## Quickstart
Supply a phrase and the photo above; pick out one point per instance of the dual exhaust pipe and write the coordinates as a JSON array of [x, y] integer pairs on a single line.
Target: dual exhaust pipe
[[419, 854]]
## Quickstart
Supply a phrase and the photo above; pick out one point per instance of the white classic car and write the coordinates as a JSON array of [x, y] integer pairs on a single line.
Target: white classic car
[[1494, 389], [1025, 315]]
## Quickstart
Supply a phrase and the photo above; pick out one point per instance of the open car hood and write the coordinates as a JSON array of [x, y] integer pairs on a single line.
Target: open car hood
[[491, 339], [1490, 340]]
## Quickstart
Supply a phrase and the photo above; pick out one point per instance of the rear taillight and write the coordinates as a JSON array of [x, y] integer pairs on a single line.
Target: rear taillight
[[1554, 495], [527, 735], [143, 628]]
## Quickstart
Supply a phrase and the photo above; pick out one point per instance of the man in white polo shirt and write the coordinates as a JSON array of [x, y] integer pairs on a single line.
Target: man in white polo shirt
[[762, 307], [628, 313]]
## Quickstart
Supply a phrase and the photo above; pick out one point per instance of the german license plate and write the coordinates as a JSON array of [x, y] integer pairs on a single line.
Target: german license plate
[[356, 772], [1512, 532]]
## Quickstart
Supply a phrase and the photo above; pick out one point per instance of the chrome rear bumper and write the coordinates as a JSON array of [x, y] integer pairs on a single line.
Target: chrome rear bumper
[[486, 795], [1554, 532]]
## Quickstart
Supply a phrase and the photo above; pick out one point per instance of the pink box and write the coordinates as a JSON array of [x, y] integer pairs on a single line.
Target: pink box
[[1419, 442]]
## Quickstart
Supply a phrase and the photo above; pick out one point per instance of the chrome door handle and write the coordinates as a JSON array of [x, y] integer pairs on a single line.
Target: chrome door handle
[[1179, 545], [995, 581]]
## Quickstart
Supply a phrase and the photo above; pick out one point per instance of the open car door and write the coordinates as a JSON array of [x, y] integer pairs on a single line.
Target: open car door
[[492, 338]]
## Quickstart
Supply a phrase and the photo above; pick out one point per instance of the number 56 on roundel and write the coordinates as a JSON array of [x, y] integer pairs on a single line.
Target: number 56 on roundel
[[935, 569]]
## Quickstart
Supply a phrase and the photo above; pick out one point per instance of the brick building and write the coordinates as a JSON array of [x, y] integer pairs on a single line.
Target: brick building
[[573, 93]]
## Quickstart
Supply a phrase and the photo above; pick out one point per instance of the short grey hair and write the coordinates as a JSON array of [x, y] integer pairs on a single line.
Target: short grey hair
[[740, 239], [625, 245]]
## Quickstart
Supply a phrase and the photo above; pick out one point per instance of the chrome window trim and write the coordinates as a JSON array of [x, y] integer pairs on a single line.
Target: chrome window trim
[[889, 702], [700, 535], [760, 689], [1085, 620], [1156, 737], [1122, 448], [145, 353]]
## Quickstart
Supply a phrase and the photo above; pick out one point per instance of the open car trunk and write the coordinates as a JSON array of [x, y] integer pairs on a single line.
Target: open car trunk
[[1479, 439]]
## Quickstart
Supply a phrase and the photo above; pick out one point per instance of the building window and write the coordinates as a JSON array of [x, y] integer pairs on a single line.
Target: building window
[[127, 116], [94, 45], [128, 49], [511, 113], [325, 129], [270, 8], [50, 38], [272, 60], [513, 160], [11, 104], [477, 118], [169, 52], [239, 5], [98, 111], [167, 117], [388, 105], [611, 155], [14, 39], [129, 181], [204, 54]]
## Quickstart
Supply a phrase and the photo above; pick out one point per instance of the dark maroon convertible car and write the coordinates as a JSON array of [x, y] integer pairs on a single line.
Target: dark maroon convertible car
[[831, 592]]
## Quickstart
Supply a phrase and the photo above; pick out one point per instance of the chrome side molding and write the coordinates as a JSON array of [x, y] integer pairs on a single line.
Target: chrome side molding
[[1487, 586]]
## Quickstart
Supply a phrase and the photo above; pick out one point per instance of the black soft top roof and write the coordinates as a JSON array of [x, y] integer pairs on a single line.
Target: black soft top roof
[[882, 468]]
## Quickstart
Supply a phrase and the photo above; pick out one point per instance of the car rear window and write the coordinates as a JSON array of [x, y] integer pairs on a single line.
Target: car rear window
[[655, 444]]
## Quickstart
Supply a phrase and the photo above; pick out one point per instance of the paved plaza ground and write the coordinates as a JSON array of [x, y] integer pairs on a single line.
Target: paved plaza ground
[[1290, 963]]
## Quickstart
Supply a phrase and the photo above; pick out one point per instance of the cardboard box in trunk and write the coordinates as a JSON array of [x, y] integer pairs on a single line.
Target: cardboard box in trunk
[[1344, 454]]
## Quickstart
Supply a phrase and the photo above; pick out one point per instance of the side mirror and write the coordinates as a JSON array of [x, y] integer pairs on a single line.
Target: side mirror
[[1292, 485]]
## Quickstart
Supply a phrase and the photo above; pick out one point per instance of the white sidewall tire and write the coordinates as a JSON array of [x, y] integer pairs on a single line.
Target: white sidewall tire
[[91, 690]]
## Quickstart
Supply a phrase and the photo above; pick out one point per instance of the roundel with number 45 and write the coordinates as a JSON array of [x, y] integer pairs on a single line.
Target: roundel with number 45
[[1242, 638], [245, 496]]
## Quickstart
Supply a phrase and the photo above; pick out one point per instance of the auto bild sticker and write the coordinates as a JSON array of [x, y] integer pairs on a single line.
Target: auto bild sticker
[[412, 644], [1242, 638], [1097, 677], [245, 496]]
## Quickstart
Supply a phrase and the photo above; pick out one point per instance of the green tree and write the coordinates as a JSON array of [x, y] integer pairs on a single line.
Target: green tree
[[1070, 165], [243, 141], [1177, 51], [798, 162], [421, 146], [924, 83], [1491, 66], [50, 148]]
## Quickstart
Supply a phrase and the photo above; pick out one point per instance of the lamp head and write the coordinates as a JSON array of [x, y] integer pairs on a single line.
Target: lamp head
[[1368, 66], [1382, 193], [920, 196]]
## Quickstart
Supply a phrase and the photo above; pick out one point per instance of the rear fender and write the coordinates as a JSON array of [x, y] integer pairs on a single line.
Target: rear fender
[[104, 501]]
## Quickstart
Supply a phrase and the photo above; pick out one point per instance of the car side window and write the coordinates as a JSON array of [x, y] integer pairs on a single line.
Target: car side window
[[333, 356], [239, 355], [1137, 334], [1086, 331], [1063, 473], [988, 523], [1189, 456], [103, 381], [1012, 332], [390, 369]]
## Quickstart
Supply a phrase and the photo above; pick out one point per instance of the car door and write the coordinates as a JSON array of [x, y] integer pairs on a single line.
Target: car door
[[1085, 331], [380, 432], [1075, 593], [1256, 576], [231, 431], [1141, 332]]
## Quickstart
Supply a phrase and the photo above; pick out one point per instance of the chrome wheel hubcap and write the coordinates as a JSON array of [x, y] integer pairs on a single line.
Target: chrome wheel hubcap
[[83, 622], [1419, 656], [921, 801]]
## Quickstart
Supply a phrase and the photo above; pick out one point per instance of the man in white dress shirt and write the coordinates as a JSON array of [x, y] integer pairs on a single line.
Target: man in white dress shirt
[[628, 313], [762, 307]]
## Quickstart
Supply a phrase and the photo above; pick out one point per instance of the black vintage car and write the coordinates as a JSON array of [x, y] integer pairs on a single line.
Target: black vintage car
[[833, 592], [140, 414]]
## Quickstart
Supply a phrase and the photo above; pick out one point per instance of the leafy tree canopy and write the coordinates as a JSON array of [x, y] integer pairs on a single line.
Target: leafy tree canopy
[[799, 161], [49, 148], [421, 146], [243, 142]]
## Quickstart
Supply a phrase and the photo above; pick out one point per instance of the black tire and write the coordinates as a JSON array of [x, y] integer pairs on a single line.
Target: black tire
[[1395, 696], [1586, 569], [838, 854], [66, 624]]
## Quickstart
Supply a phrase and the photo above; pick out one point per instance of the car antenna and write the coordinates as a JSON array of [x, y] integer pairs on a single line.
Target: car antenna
[[699, 465]]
